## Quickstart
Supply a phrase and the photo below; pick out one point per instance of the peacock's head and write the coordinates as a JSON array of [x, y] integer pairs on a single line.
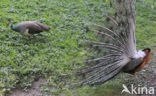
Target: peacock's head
[[147, 50]]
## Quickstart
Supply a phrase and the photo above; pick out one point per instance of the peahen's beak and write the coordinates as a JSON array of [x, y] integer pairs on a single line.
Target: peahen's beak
[[9, 24]]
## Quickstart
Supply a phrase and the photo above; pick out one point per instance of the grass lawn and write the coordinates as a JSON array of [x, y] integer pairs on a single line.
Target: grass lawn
[[62, 49]]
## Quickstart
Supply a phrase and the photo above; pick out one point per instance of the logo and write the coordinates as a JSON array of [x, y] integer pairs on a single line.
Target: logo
[[137, 90]]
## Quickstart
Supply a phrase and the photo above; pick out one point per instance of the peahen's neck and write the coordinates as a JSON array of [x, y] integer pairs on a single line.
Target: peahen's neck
[[13, 27]]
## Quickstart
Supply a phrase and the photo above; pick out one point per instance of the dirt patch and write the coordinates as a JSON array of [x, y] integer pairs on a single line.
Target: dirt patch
[[152, 77], [34, 91]]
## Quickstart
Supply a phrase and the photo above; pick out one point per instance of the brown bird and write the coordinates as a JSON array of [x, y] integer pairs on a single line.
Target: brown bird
[[118, 45], [28, 28]]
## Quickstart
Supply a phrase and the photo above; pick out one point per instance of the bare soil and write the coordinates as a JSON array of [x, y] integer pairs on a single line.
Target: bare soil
[[35, 89]]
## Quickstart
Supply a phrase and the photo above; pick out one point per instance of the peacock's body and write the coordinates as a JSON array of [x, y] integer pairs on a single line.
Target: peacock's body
[[121, 55], [29, 28]]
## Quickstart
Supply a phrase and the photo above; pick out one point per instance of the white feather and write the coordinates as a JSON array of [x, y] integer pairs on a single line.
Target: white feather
[[140, 54]]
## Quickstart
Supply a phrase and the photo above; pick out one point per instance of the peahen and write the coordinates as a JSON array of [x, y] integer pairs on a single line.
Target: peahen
[[28, 28], [120, 45]]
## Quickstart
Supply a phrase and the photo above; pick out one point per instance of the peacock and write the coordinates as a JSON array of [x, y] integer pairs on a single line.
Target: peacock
[[28, 28], [118, 47]]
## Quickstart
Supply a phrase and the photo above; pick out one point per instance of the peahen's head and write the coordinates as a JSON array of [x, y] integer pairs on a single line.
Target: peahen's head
[[11, 25]]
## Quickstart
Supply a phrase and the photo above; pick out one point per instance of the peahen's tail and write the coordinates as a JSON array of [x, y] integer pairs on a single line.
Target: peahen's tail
[[44, 27]]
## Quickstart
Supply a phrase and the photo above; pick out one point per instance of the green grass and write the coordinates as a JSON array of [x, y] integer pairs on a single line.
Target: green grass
[[61, 50]]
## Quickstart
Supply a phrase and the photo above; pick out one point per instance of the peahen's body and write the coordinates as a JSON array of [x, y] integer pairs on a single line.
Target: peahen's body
[[121, 55], [29, 28]]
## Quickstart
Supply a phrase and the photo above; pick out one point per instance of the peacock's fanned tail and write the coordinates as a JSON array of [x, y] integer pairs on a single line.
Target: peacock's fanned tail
[[120, 44]]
